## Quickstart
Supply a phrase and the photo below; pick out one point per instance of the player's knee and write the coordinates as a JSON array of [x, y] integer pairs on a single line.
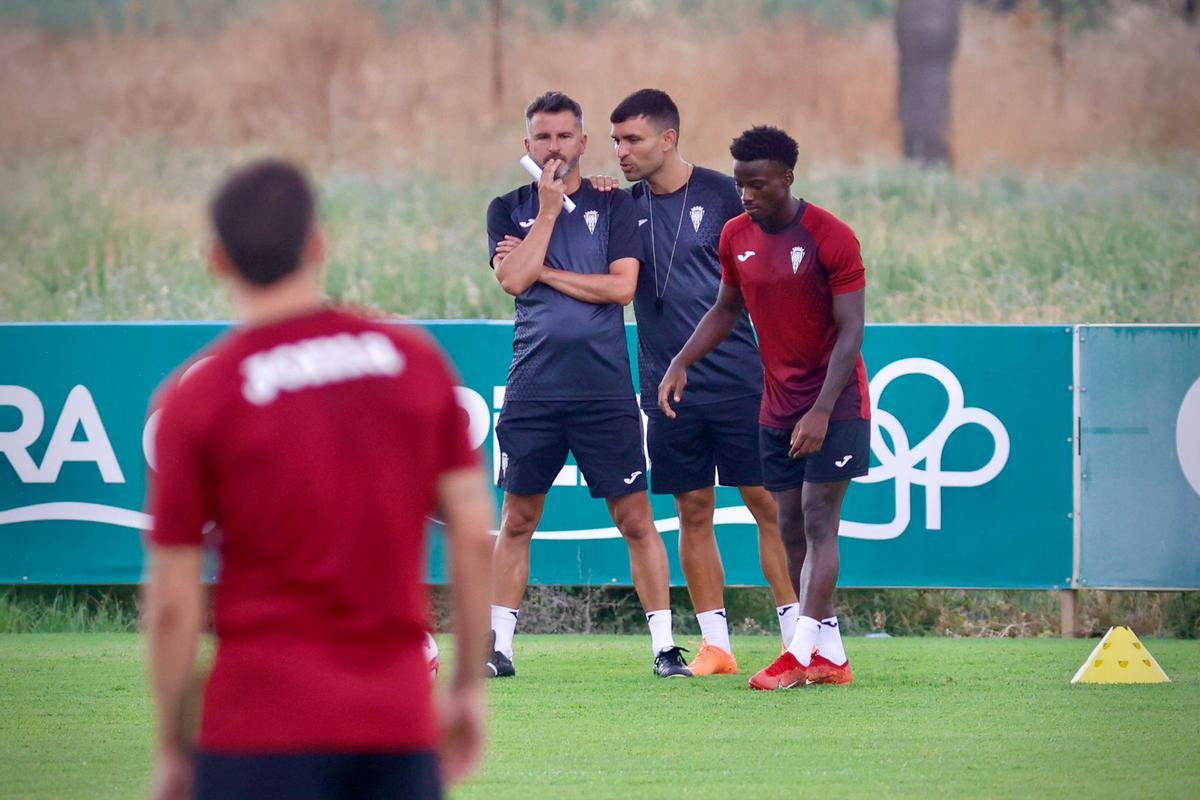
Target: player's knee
[[791, 528], [518, 523], [635, 524], [819, 519], [762, 507], [695, 513]]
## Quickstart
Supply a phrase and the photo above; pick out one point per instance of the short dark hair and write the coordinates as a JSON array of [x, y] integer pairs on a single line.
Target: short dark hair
[[764, 142], [653, 104], [263, 214], [553, 102]]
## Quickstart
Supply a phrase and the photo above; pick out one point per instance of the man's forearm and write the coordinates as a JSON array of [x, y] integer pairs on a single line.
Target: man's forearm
[[714, 328], [520, 269], [842, 362], [467, 507], [599, 289], [173, 653], [174, 615], [470, 566]]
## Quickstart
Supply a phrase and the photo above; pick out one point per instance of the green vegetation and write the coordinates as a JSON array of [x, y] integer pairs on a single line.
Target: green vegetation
[[947, 717], [897, 612], [1107, 242], [68, 609], [606, 609]]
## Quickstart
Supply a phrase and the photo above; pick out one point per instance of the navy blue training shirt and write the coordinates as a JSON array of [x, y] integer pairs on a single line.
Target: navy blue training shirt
[[563, 348], [688, 291]]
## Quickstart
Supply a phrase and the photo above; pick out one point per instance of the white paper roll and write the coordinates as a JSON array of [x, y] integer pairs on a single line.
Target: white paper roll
[[533, 169]]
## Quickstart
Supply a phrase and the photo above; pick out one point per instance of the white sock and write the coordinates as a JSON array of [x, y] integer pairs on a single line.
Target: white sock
[[829, 641], [504, 623], [714, 627], [787, 621], [805, 639], [660, 630]]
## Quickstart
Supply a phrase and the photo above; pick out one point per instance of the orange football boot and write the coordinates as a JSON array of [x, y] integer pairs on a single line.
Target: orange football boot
[[712, 660], [783, 673], [822, 670]]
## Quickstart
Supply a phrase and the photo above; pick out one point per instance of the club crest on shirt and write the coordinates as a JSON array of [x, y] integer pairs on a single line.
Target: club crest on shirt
[[797, 257], [697, 214], [590, 218]]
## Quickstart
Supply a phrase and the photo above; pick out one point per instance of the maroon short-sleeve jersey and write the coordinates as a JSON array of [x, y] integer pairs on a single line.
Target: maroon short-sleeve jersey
[[788, 278], [311, 449]]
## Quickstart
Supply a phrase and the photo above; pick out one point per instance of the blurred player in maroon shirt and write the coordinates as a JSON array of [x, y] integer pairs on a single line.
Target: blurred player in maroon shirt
[[314, 443], [798, 270]]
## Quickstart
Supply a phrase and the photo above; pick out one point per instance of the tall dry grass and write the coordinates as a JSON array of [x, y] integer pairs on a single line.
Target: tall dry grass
[[333, 82]]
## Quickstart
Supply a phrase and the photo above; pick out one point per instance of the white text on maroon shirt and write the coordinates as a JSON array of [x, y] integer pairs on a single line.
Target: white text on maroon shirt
[[318, 362]]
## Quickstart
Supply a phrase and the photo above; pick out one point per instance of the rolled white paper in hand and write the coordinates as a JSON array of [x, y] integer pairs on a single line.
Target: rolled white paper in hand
[[533, 169]]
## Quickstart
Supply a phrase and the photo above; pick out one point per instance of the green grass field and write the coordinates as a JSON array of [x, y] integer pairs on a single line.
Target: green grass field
[[926, 717]]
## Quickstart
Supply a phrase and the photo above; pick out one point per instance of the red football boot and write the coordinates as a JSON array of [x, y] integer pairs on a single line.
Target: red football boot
[[822, 670], [783, 673]]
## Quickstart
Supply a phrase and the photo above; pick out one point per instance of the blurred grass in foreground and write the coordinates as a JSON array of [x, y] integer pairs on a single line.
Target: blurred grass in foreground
[[122, 238]]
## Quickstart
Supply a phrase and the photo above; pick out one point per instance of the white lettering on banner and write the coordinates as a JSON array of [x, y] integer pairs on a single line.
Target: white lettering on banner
[[317, 362], [150, 430], [79, 410], [901, 462], [15, 444], [478, 413], [1187, 436], [78, 512]]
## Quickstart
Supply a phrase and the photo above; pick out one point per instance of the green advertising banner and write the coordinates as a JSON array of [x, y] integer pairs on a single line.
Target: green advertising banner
[[970, 486], [1139, 474]]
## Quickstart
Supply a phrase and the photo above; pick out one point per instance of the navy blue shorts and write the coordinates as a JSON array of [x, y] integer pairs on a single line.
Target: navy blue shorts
[[605, 436], [317, 776], [845, 454], [713, 437]]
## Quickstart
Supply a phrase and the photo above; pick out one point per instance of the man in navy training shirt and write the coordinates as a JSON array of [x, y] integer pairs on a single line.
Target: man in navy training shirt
[[569, 385], [682, 209]]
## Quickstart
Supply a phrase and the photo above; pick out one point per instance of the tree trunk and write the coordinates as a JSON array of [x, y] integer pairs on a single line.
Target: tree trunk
[[497, 44], [927, 36]]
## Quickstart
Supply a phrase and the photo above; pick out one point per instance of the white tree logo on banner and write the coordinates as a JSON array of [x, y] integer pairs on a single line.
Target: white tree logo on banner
[[900, 464]]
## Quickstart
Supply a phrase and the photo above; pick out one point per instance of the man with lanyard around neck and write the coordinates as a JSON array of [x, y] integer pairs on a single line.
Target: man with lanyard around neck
[[569, 386], [798, 269], [682, 209]]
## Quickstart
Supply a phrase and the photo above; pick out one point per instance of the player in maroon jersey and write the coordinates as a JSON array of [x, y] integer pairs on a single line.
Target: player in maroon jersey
[[798, 270], [314, 442]]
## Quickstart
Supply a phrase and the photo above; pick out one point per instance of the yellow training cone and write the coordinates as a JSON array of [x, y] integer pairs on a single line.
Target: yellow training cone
[[1120, 658]]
